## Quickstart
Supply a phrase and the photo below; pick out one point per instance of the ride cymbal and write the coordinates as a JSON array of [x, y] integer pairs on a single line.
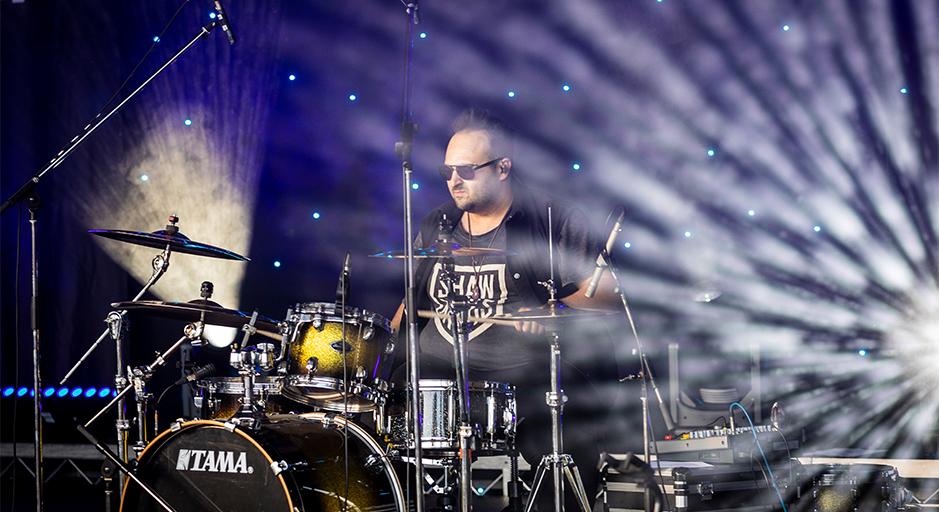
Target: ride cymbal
[[446, 250]]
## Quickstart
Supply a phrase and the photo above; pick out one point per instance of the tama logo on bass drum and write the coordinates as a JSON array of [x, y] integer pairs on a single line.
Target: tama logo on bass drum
[[213, 461]]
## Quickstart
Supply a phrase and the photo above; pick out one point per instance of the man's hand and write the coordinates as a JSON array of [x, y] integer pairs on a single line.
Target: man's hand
[[528, 326]]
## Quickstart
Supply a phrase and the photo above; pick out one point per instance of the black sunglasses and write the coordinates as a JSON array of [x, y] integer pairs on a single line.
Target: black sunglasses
[[466, 172]]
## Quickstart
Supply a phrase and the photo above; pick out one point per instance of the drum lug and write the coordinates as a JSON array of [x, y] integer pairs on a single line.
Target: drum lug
[[373, 464], [311, 365], [327, 419], [231, 425], [360, 372], [368, 333], [279, 467], [176, 425], [266, 358]]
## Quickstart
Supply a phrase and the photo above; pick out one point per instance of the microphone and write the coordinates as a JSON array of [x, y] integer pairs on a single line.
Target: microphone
[[342, 290], [602, 257], [199, 373], [223, 21]]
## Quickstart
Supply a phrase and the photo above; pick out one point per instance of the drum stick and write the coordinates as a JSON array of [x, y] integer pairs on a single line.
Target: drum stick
[[423, 313]]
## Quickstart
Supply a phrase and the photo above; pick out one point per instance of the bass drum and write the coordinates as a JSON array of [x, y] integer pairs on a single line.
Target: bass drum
[[292, 463]]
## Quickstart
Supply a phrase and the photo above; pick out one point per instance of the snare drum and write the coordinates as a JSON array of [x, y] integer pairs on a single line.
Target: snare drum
[[314, 357], [492, 416], [219, 398]]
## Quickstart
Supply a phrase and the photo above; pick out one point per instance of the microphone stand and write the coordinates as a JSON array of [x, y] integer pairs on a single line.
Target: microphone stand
[[403, 150], [33, 207], [645, 375], [27, 190]]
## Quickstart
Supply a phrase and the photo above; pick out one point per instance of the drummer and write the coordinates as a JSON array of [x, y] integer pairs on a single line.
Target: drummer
[[492, 209]]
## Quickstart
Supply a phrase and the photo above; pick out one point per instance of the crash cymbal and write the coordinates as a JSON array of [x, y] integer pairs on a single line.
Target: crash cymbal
[[192, 311], [171, 236], [447, 250]]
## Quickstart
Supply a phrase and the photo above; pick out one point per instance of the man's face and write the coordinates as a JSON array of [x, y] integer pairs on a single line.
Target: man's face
[[479, 193]]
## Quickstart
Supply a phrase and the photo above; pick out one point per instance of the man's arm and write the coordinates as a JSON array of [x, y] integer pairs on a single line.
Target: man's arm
[[605, 298], [396, 320]]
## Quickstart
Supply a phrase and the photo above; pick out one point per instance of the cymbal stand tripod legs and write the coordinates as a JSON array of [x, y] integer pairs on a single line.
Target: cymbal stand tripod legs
[[561, 464]]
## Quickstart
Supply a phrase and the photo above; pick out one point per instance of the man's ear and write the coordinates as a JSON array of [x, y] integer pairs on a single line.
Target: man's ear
[[505, 168]]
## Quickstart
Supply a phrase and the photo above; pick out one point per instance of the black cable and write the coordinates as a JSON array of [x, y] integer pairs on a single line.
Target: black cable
[[156, 405]]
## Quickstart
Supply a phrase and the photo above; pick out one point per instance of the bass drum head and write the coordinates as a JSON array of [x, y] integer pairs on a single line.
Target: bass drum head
[[204, 466]]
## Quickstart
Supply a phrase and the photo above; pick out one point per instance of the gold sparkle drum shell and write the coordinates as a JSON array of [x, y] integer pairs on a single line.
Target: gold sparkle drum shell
[[314, 361]]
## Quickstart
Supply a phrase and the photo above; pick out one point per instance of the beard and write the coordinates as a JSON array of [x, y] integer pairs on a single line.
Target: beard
[[479, 200], [466, 202]]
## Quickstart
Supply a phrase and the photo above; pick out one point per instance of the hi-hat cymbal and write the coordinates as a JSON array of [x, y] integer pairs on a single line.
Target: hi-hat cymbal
[[160, 239], [192, 311], [447, 250]]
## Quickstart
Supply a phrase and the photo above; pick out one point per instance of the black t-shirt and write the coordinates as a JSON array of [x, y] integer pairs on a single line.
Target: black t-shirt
[[495, 349]]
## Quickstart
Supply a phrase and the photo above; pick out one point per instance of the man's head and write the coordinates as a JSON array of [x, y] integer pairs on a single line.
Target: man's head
[[479, 138]]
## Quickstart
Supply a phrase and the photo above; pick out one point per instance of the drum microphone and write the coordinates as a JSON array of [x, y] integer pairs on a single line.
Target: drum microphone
[[199, 373], [603, 256], [342, 291], [222, 17]]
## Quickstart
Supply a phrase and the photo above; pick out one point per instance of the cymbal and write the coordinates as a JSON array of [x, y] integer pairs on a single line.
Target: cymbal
[[447, 250], [192, 311], [538, 315], [566, 314], [159, 239]]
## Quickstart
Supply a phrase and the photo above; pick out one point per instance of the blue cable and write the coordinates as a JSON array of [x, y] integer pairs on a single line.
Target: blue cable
[[769, 470]]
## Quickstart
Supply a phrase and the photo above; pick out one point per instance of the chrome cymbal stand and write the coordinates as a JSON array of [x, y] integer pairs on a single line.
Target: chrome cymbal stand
[[192, 332], [247, 359], [558, 462], [117, 328], [459, 306]]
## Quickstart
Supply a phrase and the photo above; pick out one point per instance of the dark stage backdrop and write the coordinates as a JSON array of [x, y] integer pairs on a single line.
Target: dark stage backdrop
[[778, 163]]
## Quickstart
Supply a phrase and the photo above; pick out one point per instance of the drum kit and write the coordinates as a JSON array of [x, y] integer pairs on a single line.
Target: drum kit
[[292, 432], [312, 421]]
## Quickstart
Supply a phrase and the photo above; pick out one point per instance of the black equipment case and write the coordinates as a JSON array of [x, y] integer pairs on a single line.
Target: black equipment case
[[695, 486]]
